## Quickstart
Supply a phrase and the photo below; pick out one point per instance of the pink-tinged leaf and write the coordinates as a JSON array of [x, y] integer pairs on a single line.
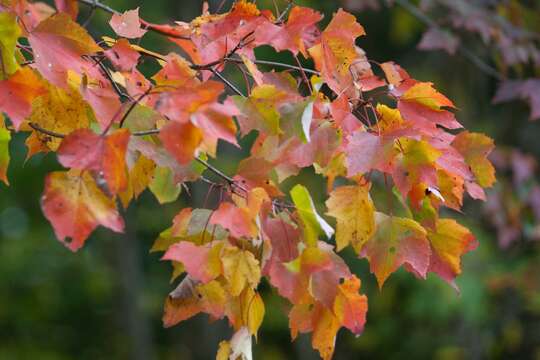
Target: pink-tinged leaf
[[284, 238], [123, 56], [518, 89], [181, 141], [342, 115], [216, 122], [75, 206], [104, 101], [237, 220], [298, 32], [128, 24], [17, 93], [437, 39], [324, 284], [201, 262], [187, 99], [59, 45], [398, 241], [70, 7], [85, 150], [364, 151]]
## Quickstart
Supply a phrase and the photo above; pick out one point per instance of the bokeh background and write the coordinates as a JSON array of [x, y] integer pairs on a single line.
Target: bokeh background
[[105, 302]]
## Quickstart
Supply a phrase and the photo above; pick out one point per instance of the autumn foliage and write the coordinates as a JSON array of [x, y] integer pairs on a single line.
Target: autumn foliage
[[358, 123]]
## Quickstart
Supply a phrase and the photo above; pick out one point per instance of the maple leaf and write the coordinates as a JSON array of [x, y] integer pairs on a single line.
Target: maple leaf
[[59, 45], [355, 214], [5, 138], [191, 298], [238, 220], [342, 115], [312, 223], [475, 148], [202, 263], [425, 106], [9, 34], [449, 241], [140, 174], [181, 140], [394, 73], [364, 152], [414, 164], [240, 268], [284, 238], [319, 150], [128, 24], [75, 206], [123, 56], [58, 110], [70, 7], [336, 51], [164, 185], [324, 324], [437, 39], [397, 241], [298, 32], [85, 150], [259, 111], [17, 94], [526, 90], [350, 307]]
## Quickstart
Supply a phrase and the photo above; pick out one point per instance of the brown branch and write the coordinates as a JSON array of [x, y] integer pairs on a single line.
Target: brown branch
[[276, 64], [51, 133]]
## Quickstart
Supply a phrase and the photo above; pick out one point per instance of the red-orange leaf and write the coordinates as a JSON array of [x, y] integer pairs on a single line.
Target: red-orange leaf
[[75, 206], [181, 140], [17, 93], [398, 241], [85, 150]]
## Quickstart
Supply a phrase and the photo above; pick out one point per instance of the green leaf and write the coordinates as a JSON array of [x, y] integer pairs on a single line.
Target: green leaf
[[164, 187], [5, 138], [9, 33], [313, 224]]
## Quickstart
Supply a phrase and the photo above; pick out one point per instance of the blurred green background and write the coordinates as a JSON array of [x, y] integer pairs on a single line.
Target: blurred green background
[[105, 302]]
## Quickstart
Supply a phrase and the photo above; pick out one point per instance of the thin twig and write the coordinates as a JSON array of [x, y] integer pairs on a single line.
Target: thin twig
[[62, 136], [277, 64], [227, 82]]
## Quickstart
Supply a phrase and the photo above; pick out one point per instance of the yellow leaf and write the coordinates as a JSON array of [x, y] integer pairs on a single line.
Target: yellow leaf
[[475, 148], [9, 33], [240, 268], [61, 111], [389, 119], [424, 94], [355, 214], [224, 351]]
